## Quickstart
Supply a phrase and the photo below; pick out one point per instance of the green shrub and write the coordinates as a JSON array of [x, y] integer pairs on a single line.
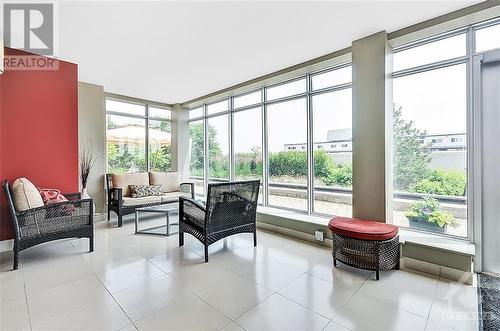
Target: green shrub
[[429, 209], [442, 182]]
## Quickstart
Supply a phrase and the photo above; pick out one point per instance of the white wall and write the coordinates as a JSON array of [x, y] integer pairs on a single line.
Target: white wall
[[92, 127]]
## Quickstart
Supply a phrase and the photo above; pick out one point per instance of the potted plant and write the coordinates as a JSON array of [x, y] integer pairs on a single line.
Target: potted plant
[[87, 160], [426, 214]]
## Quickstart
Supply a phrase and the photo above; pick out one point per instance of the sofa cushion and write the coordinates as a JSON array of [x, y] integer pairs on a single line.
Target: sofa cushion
[[362, 229], [174, 196], [139, 191], [124, 180], [169, 181], [25, 195], [128, 201]]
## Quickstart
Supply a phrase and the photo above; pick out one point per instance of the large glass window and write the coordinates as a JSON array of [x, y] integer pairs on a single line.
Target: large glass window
[[160, 145], [126, 144], [436, 51], [488, 38], [287, 126], [247, 127], [287, 89], [332, 131], [126, 134], [218, 107], [430, 150], [331, 78], [196, 155], [218, 148], [247, 99]]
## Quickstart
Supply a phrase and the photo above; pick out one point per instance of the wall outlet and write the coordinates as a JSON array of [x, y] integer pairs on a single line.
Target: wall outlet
[[319, 235]]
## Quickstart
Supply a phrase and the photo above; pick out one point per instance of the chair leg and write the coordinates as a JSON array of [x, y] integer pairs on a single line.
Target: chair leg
[[397, 266], [335, 262], [16, 259], [91, 243], [255, 239], [206, 253], [109, 214], [120, 220], [377, 275], [181, 238]]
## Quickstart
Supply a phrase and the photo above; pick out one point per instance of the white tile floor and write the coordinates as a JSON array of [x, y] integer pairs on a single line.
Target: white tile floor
[[148, 283]]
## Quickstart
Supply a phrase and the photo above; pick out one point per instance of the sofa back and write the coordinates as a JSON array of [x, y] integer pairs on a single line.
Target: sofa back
[[124, 180], [169, 181]]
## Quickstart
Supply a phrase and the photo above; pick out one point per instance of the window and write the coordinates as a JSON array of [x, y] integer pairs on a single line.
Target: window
[[432, 102], [196, 155], [332, 118], [156, 112], [160, 145], [218, 148], [247, 127], [248, 99], [126, 144], [331, 78], [439, 50], [128, 125], [488, 38], [218, 107], [287, 124], [125, 107], [286, 89], [196, 112]]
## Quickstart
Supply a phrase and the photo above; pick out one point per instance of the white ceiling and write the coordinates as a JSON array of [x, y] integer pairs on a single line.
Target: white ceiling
[[175, 51]]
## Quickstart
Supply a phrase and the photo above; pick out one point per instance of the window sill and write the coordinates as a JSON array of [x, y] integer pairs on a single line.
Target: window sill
[[288, 217]]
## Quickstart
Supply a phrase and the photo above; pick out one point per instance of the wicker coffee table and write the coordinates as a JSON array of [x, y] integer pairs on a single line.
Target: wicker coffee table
[[162, 229]]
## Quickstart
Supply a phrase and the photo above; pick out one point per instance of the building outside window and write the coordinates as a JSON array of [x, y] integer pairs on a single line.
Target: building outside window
[[138, 137]]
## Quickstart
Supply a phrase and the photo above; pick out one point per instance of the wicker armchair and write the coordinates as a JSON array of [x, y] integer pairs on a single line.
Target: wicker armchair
[[70, 219], [230, 209]]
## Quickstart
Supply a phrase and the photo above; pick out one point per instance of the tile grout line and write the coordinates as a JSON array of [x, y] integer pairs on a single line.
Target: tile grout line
[[432, 302]]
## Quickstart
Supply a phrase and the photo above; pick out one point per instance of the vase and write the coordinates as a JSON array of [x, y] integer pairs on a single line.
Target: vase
[[85, 195]]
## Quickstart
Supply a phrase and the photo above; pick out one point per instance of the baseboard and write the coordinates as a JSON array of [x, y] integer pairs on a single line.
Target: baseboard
[[465, 277], [6, 245], [294, 234]]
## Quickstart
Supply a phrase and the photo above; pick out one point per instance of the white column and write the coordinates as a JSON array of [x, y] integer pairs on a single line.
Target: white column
[[180, 141], [372, 127]]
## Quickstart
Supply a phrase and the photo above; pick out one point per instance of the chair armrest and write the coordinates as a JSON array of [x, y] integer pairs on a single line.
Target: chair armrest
[[115, 194], [187, 188], [80, 207], [73, 196], [189, 201]]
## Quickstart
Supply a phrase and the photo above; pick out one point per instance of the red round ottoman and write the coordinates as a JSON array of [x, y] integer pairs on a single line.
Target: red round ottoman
[[363, 244]]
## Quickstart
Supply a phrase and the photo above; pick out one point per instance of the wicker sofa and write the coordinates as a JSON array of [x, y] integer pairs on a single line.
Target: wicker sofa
[[69, 219], [121, 202]]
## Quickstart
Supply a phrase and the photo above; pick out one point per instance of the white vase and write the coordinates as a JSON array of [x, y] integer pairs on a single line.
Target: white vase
[[85, 195]]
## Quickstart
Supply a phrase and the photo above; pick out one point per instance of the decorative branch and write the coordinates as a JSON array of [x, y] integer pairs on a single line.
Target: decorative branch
[[88, 157]]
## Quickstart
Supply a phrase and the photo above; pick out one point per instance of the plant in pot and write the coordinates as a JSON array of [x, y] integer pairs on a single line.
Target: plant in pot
[[426, 214], [87, 160]]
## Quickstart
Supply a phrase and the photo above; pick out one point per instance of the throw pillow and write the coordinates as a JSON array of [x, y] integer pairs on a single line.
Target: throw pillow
[[25, 195], [139, 191], [51, 195]]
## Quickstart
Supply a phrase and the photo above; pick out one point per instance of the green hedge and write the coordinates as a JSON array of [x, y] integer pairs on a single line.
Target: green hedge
[[442, 182]]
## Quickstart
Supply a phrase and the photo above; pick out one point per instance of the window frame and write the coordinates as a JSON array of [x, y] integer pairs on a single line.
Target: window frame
[[144, 117]]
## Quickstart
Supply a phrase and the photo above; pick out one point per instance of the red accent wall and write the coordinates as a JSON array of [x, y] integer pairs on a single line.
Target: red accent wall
[[38, 130]]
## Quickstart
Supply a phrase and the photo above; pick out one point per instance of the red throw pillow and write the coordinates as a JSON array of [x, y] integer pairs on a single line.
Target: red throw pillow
[[51, 195]]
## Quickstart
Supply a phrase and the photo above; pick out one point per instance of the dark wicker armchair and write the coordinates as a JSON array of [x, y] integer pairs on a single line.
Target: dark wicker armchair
[[230, 209], [70, 219]]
